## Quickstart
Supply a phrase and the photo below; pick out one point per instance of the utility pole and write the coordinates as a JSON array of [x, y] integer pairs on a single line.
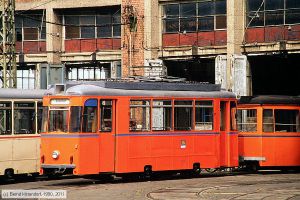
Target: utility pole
[[7, 44]]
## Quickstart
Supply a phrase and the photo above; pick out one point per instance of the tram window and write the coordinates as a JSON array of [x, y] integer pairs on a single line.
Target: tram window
[[139, 115], [204, 115], [39, 117], [24, 118], [161, 115], [5, 119], [75, 119], [222, 116], [58, 120], [247, 120], [268, 120], [44, 127], [183, 115], [90, 116], [286, 120], [106, 115], [233, 125]]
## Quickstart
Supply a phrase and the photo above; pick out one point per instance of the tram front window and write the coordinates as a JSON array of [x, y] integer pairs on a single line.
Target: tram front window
[[58, 121]]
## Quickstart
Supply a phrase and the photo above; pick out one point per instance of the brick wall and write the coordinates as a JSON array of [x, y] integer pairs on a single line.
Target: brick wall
[[133, 56]]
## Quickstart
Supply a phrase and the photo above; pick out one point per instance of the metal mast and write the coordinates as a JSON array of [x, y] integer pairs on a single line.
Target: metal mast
[[7, 44]]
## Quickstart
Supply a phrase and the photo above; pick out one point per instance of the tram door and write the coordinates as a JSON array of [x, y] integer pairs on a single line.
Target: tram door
[[224, 119], [107, 136]]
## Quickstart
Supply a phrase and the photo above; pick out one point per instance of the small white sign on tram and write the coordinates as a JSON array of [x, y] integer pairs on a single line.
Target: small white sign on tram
[[60, 101]]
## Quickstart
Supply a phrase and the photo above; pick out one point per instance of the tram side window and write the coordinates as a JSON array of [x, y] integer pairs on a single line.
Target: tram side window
[[286, 120], [204, 115], [106, 115], [183, 115], [44, 115], [268, 120], [139, 115], [75, 119], [39, 117], [161, 115], [233, 125], [58, 120], [90, 116], [5, 119], [247, 120], [24, 118]]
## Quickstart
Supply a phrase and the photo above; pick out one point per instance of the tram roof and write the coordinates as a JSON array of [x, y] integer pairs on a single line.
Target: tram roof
[[144, 89], [12, 93], [270, 99]]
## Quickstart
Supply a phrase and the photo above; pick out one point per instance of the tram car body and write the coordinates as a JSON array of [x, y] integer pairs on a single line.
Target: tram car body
[[269, 131], [20, 119], [107, 127]]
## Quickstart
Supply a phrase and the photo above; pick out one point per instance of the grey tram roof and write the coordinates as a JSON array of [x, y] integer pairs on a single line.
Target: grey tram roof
[[270, 99], [12, 93], [142, 89]]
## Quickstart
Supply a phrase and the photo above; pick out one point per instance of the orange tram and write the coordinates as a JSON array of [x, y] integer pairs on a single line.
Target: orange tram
[[269, 131], [128, 127]]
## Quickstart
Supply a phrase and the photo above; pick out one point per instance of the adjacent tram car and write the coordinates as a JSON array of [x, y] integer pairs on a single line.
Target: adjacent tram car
[[125, 127], [269, 131], [20, 119]]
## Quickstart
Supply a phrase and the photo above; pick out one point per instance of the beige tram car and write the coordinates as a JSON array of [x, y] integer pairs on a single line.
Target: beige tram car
[[20, 119]]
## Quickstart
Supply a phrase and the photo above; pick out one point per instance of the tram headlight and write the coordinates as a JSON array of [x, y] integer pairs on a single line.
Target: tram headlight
[[55, 154]]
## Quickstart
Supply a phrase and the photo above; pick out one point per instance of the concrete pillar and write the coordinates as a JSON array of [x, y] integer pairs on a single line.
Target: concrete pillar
[[235, 32], [53, 37], [152, 30]]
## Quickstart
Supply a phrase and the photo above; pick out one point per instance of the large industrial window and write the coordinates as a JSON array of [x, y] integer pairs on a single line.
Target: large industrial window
[[25, 78], [24, 118], [77, 73], [183, 111], [99, 24], [204, 115], [161, 115], [194, 16], [5, 119], [287, 120], [247, 120], [30, 27], [139, 115], [272, 12]]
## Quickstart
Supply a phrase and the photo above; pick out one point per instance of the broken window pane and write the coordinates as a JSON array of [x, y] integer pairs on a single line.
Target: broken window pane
[[72, 20], [171, 25], [87, 32], [206, 24], [221, 7], [254, 5], [18, 34], [87, 20], [274, 18], [206, 8], [255, 19], [188, 25], [292, 16], [72, 32], [274, 4], [187, 9], [292, 4], [221, 22], [30, 33], [104, 26], [32, 21], [171, 10]]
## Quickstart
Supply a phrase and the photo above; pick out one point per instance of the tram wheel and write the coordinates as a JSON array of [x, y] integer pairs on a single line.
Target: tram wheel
[[9, 173]]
